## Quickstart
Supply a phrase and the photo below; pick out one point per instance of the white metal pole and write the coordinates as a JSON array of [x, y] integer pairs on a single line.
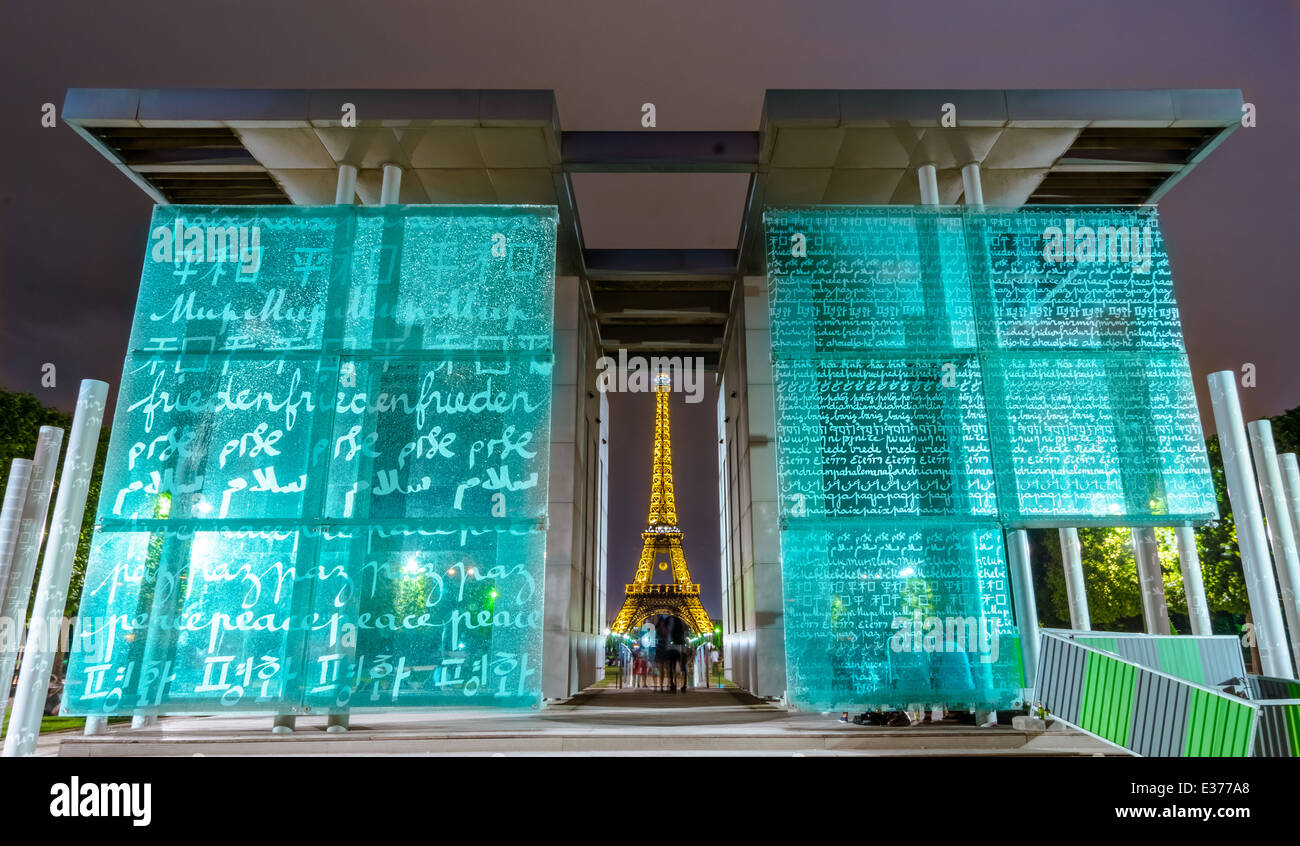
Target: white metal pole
[[1280, 534], [1076, 591], [346, 189], [1198, 610], [391, 186], [18, 590], [971, 184], [1265, 609], [1291, 487], [56, 570], [929, 179], [1155, 610], [1022, 588], [11, 518]]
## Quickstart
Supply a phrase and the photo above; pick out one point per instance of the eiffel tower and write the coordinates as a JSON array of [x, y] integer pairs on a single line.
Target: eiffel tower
[[663, 543]]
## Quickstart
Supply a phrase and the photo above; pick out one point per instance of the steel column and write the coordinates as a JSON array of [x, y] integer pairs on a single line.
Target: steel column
[[18, 590], [1266, 611], [56, 571], [1075, 589], [1022, 588], [1198, 610], [1155, 609], [1281, 536]]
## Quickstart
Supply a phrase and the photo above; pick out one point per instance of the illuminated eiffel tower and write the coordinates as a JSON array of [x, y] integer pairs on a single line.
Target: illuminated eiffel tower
[[663, 543]]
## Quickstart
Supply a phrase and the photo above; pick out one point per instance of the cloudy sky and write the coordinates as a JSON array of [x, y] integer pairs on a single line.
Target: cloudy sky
[[72, 229]]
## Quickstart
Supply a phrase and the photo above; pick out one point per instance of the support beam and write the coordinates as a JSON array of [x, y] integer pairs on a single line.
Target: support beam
[[1155, 609], [391, 186], [971, 185], [1281, 536], [650, 151], [346, 192], [56, 571], [1075, 588], [1198, 609], [1266, 610], [929, 179], [1022, 590], [659, 266]]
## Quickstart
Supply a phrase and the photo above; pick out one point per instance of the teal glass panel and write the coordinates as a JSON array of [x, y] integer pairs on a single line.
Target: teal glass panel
[[898, 280], [327, 478], [183, 430], [240, 278], [883, 436], [896, 613], [1107, 438], [1107, 288], [884, 465], [442, 617], [998, 367]]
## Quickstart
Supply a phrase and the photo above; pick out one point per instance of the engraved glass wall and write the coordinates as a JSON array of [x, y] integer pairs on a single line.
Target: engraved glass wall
[[1093, 417], [326, 485], [944, 373]]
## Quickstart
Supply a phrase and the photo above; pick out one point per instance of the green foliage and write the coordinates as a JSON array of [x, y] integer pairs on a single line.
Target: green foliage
[[1110, 575], [21, 418], [1286, 430]]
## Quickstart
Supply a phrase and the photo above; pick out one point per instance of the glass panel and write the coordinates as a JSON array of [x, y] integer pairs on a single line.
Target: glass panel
[[240, 278], [890, 278], [327, 480], [998, 367], [441, 617], [1108, 439], [898, 613], [1072, 278], [883, 436]]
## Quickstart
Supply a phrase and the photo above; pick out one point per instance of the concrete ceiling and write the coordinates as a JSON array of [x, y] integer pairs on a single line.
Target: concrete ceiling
[[261, 146]]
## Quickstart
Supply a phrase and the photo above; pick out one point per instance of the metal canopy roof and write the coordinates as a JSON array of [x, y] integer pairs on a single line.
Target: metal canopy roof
[[262, 146]]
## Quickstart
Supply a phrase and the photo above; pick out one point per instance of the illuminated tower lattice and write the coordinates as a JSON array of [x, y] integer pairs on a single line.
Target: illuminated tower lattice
[[663, 543]]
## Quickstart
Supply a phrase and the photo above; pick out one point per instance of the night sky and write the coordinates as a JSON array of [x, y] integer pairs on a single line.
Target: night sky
[[72, 229]]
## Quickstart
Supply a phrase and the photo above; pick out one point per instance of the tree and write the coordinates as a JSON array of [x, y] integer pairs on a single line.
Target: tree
[[1111, 578], [21, 419]]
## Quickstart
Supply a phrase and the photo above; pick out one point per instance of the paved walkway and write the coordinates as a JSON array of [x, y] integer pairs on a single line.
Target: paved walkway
[[598, 721]]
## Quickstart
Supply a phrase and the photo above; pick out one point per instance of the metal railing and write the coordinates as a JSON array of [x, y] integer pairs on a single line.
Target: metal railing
[[1142, 710], [1279, 718]]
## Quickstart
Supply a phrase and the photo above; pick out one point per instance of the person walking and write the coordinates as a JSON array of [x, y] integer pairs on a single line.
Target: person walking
[[680, 653], [663, 660], [639, 669]]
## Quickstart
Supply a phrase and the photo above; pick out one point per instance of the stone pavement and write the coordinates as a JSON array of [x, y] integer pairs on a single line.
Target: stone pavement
[[598, 721]]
